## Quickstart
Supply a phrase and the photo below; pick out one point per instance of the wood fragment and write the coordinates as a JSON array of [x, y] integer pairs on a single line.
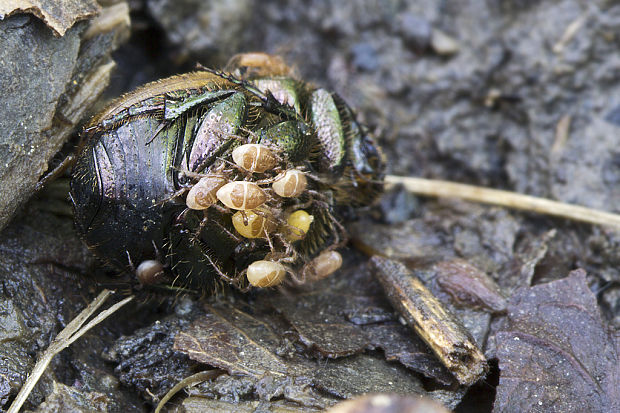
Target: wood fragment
[[432, 187], [440, 329], [561, 135], [569, 33], [113, 18]]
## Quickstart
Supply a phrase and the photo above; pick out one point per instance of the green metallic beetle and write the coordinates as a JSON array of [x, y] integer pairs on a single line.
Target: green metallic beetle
[[264, 143]]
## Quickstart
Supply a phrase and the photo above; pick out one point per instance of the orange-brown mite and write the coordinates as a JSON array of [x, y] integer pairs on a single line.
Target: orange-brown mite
[[326, 263], [292, 183], [202, 195], [254, 157], [241, 195]]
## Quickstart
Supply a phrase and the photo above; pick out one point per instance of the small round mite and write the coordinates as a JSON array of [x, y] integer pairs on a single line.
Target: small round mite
[[291, 184], [254, 157], [253, 225], [150, 272], [298, 225], [265, 273], [241, 195], [202, 195], [326, 264]]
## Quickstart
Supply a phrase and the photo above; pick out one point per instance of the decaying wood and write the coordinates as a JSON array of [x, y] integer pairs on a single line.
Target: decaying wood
[[443, 333]]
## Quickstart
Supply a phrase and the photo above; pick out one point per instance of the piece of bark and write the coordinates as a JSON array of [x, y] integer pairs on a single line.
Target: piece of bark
[[46, 92], [57, 15]]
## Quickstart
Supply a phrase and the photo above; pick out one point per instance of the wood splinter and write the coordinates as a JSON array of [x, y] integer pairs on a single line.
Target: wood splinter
[[440, 329]]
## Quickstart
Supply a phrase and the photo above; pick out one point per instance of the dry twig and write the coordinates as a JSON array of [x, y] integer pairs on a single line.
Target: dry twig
[[508, 199], [74, 330], [435, 324]]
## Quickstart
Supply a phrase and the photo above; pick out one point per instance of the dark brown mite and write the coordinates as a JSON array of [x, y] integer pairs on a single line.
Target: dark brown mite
[[165, 168]]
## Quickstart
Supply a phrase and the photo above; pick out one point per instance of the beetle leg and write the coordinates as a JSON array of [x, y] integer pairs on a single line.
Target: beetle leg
[[271, 215], [221, 208], [242, 275], [265, 181], [232, 281], [131, 265], [295, 207], [197, 175], [56, 172], [252, 136], [318, 196], [239, 138], [174, 195], [269, 240], [290, 255], [299, 277], [203, 223], [206, 221], [224, 229], [244, 171], [310, 175], [196, 235], [307, 272], [341, 234]]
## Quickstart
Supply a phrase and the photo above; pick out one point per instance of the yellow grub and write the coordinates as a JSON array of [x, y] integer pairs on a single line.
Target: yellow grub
[[202, 195], [292, 183], [254, 157], [298, 224], [241, 195], [326, 264], [253, 225], [265, 273]]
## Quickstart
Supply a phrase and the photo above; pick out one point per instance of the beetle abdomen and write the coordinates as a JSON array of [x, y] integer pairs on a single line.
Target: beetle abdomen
[[119, 190]]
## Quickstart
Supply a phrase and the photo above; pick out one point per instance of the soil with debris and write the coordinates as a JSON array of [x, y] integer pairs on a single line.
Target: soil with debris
[[512, 94]]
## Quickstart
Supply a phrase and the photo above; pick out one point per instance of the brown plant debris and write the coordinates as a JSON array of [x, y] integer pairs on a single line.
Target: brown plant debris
[[556, 353], [469, 286], [301, 351]]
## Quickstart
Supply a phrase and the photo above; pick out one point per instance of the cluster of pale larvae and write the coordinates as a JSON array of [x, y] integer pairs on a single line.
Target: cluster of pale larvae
[[255, 217]]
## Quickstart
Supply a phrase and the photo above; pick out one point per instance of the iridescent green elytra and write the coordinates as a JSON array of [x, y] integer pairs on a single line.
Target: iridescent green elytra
[[148, 147]]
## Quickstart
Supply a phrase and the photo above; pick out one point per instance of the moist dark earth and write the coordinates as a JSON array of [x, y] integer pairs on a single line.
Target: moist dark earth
[[511, 94]]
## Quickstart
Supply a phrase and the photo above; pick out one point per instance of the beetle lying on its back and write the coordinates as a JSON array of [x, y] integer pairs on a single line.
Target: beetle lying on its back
[[232, 176]]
